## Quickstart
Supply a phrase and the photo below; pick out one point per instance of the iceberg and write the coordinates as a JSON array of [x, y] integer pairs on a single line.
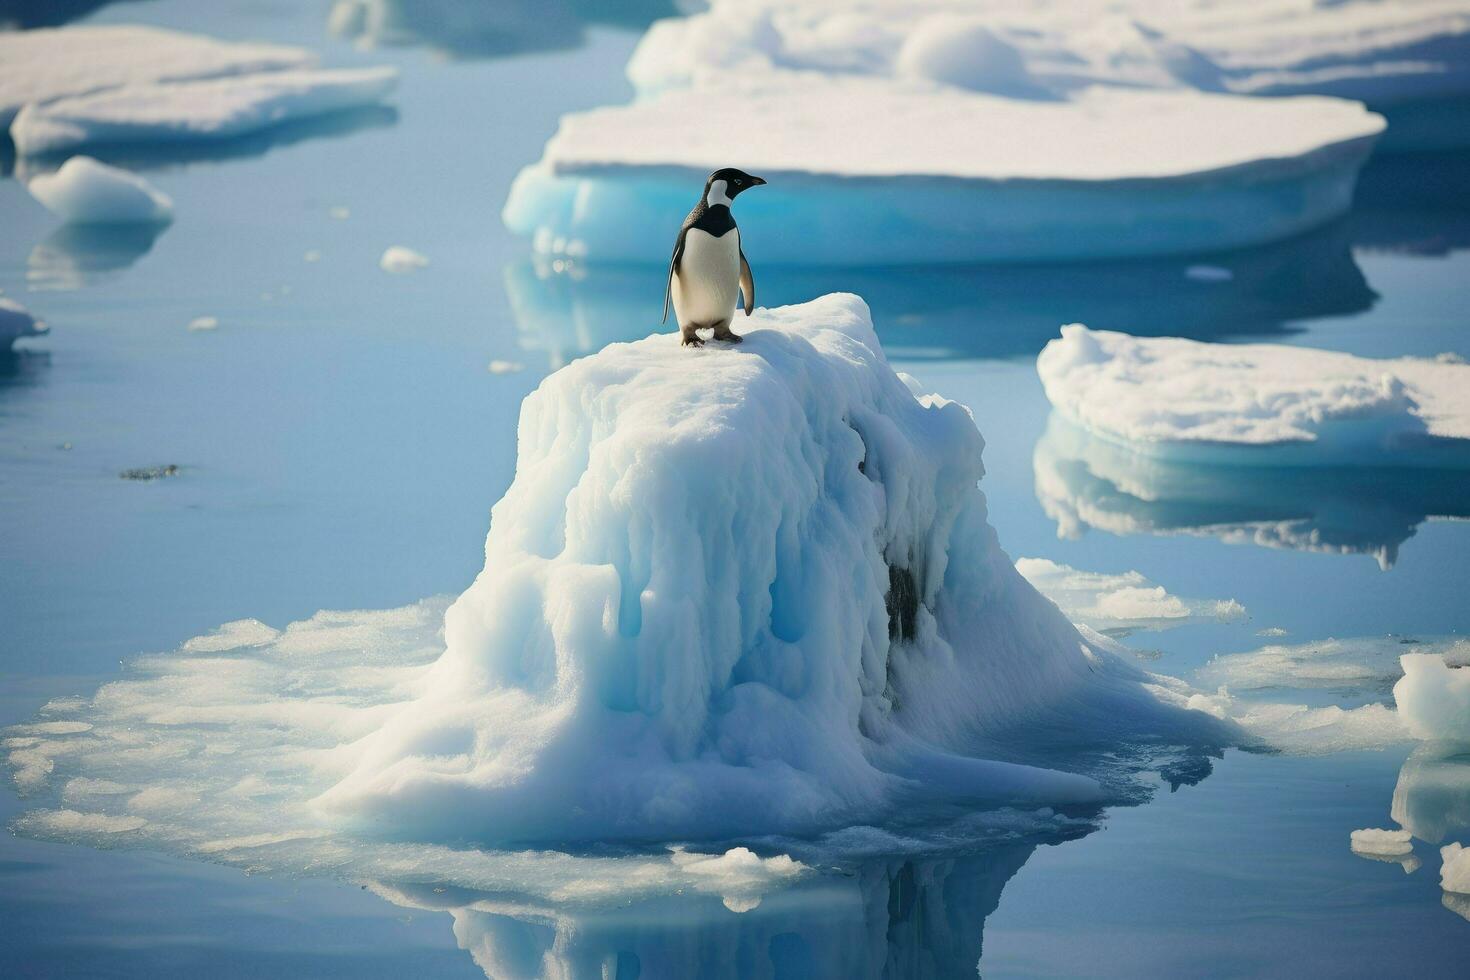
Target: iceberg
[[1109, 172], [1087, 482], [1410, 60], [1119, 604], [86, 192], [44, 65], [1259, 404], [731, 592], [1433, 698], [205, 109], [16, 322]]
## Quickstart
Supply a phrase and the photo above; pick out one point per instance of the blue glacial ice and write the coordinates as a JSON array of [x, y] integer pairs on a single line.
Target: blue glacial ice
[[1259, 404]]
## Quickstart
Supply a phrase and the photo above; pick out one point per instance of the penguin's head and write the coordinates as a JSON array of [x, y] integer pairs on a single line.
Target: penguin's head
[[727, 184]]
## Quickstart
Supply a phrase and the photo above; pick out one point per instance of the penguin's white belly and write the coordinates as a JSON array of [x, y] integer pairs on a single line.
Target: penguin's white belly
[[707, 284]]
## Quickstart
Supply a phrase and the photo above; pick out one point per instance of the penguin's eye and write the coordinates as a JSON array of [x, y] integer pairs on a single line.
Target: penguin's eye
[[739, 183]]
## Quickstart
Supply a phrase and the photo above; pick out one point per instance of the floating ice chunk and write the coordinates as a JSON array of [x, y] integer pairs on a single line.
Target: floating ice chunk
[[1454, 873], [1259, 404], [1385, 842], [1368, 664], [44, 65], [201, 323], [1108, 172], [1083, 482], [86, 192], [1434, 698], [739, 876], [1117, 605], [399, 260], [16, 322], [208, 109], [504, 367]]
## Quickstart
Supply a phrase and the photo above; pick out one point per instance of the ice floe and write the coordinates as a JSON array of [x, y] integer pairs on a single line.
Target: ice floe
[[399, 259], [1259, 404], [204, 109], [1389, 843], [1108, 172], [86, 192], [16, 323], [44, 65], [1122, 603]]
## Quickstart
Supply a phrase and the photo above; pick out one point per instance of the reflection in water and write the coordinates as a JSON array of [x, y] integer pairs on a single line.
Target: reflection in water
[[924, 312], [1432, 798], [887, 918], [74, 256], [27, 14], [457, 29], [1418, 204], [162, 155], [1084, 482]]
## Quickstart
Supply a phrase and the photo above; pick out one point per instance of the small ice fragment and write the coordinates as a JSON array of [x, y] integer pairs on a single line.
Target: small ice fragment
[[1208, 273], [86, 192], [399, 260], [340, 212], [203, 323], [1271, 631], [504, 367], [1454, 873], [1372, 840]]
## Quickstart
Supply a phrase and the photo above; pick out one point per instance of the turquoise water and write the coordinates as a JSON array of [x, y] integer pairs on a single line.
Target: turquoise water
[[340, 442]]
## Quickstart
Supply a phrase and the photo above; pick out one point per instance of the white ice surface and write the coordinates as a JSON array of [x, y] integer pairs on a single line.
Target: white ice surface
[[1372, 840], [399, 259], [84, 191], [17, 322], [209, 109], [1122, 603], [1368, 663], [1434, 698], [730, 591], [1259, 404], [1454, 873], [1303, 729], [42, 65]]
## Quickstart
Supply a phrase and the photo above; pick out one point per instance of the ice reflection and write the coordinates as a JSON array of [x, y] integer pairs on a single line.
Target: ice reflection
[[567, 309], [74, 256], [1084, 482], [898, 917], [1432, 798]]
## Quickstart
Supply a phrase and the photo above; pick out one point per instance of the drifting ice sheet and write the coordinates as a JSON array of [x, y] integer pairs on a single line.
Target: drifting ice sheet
[[210, 109], [86, 192], [42, 65], [878, 172], [1259, 404]]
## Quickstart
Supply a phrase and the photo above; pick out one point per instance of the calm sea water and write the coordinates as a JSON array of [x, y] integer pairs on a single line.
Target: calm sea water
[[341, 441]]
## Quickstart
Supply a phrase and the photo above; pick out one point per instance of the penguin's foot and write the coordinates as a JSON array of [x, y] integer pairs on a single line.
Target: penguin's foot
[[692, 340], [722, 332]]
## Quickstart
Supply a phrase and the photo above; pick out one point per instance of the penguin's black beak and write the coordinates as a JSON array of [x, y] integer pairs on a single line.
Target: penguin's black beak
[[757, 181]]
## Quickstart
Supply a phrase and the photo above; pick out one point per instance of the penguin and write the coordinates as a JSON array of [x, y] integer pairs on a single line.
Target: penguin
[[708, 269]]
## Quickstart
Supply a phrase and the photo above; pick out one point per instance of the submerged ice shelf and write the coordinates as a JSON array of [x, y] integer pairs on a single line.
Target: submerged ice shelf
[[1260, 404], [1110, 172]]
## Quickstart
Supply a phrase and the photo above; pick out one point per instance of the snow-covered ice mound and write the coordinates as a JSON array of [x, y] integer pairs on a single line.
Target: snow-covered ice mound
[[1406, 58], [1122, 603], [86, 192], [1085, 482], [17, 322], [1259, 404], [730, 591], [869, 171], [42, 65], [208, 109]]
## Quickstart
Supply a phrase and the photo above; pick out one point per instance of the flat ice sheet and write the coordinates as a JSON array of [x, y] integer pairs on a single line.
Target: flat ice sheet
[[1260, 403], [210, 109], [41, 65]]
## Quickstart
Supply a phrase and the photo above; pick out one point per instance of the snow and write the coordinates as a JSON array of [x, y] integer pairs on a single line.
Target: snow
[[43, 65], [207, 109], [83, 191], [398, 260], [729, 592], [1259, 404], [1119, 604], [1106, 172], [1083, 481], [1385, 842], [1434, 698], [17, 322]]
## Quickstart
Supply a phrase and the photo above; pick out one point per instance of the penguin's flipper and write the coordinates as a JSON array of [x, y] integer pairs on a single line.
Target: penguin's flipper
[[673, 267], [747, 284]]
